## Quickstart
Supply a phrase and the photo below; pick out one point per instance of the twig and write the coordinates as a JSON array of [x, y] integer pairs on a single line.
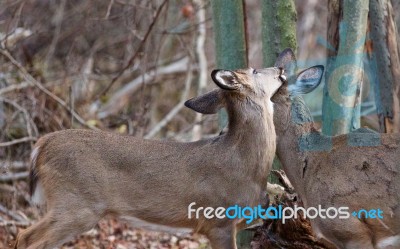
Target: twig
[[132, 59], [23, 85], [201, 16], [275, 189], [14, 87], [16, 19], [183, 135], [28, 119], [13, 215], [176, 109], [17, 141], [23, 224], [109, 9], [39, 85], [59, 15], [280, 174], [120, 98], [14, 176], [71, 102], [7, 188], [137, 6], [15, 165]]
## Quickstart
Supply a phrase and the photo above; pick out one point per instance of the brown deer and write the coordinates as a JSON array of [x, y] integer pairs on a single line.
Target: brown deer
[[360, 170], [83, 176]]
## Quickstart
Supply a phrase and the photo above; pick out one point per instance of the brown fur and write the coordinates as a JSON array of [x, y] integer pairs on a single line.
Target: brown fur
[[87, 175], [360, 177]]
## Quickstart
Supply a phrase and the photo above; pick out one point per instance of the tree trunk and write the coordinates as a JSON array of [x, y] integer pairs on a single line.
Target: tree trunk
[[386, 55], [396, 9], [230, 38], [347, 27], [230, 43], [278, 32], [278, 29]]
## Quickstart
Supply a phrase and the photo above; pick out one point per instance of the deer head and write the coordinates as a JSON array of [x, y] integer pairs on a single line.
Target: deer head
[[247, 86]]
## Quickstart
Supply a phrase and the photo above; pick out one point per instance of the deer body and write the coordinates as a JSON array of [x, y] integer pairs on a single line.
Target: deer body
[[343, 174], [347, 176], [85, 175]]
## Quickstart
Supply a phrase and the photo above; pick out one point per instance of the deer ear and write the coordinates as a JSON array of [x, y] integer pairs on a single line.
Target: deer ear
[[287, 61], [208, 103], [307, 80], [225, 79]]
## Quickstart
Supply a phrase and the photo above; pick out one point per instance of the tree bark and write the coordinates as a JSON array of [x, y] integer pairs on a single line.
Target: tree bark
[[230, 39], [278, 29], [230, 44], [396, 9], [347, 27], [386, 55], [229, 32], [278, 32]]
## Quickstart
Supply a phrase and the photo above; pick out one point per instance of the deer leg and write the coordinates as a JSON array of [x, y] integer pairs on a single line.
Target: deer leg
[[359, 244], [53, 230], [345, 233], [357, 236], [223, 238], [33, 233]]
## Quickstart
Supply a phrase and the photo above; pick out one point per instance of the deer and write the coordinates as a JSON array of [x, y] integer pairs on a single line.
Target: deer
[[80, 176], [359, 170]]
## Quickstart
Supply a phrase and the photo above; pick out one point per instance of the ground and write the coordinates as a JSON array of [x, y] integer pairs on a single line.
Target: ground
[[113, 234]]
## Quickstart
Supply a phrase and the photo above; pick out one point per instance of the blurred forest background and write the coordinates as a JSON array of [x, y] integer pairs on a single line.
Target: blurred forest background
[[124, 66]]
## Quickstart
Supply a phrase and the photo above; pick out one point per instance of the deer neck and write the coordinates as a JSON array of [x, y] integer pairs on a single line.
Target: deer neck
[[294, 127], [252, 133]]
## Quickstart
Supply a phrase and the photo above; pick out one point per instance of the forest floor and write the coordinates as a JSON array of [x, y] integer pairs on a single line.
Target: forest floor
[[113, 234]]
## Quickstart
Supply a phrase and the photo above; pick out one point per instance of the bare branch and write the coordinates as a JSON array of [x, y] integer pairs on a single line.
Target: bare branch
[[129, 3], [39, 85], [11, 30], [59, 15], [280, 174], [201, 17], [17, 141], [176, 109], [139, 49], [109, 9], [10, 177], [275, 189], [15, 165], [9, 40], [120, 98], [28, 119], [6, 223], [12, 214], [14, 87]]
